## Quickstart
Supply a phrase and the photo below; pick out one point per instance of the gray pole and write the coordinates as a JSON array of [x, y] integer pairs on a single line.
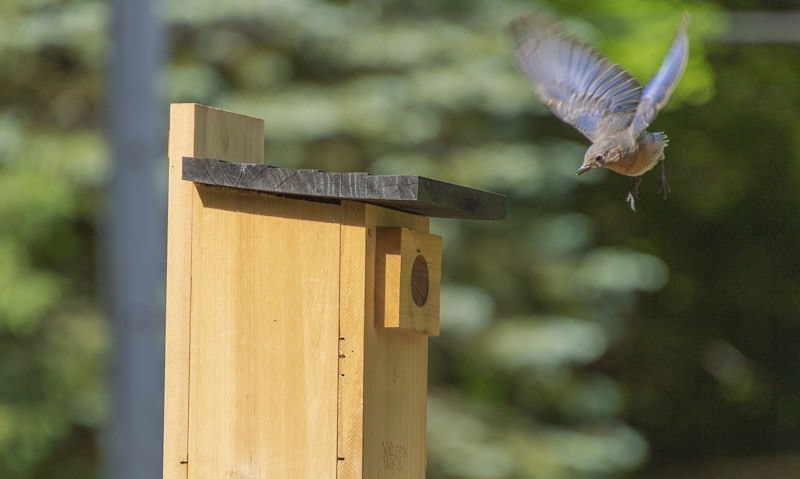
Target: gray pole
[[133, 258]]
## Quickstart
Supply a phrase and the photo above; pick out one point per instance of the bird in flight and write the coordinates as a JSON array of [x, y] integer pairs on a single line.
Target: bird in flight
[[599, 98]]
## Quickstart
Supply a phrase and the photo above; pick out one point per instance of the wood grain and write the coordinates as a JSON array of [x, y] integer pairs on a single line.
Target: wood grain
[[275, 364], [409, 193], [195, 130], [264, 338], [353, 317], [382, 396], [397, 249], [395, 396]]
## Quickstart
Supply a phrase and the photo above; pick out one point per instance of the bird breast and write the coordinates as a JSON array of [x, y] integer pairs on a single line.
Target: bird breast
[[649, 150]]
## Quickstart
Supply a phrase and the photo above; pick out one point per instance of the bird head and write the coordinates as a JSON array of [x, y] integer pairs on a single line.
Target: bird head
[[600, 155]]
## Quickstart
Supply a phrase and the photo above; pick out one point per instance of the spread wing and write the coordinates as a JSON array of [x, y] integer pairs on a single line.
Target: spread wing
[[658, 89], [581, 86]]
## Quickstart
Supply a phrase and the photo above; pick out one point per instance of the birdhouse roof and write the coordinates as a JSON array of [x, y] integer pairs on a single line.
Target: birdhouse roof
[[409, 193]]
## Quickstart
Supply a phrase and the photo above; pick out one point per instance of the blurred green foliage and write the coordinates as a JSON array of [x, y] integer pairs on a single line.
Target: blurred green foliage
[[579, 340], [52, 160]]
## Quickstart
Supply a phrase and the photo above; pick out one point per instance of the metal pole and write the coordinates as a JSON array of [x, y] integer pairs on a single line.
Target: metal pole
[[134, 242]]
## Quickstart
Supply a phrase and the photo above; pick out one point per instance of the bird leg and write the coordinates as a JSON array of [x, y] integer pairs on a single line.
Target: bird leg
[[663, 186], [633, 194]]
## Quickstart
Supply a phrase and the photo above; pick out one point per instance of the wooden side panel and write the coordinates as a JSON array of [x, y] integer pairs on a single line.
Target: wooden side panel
[[195, 130], [264, 338], [392, 370]]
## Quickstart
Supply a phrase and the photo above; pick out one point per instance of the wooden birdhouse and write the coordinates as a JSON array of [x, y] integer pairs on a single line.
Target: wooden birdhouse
[[299, 306]]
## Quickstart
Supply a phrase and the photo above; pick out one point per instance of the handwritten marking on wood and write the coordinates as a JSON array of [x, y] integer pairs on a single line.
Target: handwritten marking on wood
[[395, 456]]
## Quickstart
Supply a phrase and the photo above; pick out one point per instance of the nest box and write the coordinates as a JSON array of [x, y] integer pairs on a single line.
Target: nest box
[[299, 306]]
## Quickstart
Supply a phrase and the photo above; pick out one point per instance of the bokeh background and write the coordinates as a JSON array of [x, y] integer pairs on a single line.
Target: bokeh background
[[579, 339]]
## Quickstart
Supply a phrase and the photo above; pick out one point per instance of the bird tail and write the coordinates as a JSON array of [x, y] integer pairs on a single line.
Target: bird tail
[[661, 136]]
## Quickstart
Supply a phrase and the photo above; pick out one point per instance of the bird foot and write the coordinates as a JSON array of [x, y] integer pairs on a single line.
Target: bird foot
[[633, 194], [663, 186]]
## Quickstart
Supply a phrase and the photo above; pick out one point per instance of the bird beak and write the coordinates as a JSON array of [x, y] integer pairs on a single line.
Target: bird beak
[[583, 169]]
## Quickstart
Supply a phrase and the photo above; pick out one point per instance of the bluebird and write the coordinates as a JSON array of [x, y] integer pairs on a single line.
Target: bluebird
[[599, 98]]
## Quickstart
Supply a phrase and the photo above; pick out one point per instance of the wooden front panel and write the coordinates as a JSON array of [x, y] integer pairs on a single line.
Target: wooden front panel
[[194, 130], [264, 337]]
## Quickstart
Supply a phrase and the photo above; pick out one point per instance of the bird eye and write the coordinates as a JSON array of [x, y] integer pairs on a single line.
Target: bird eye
[[599, 158]]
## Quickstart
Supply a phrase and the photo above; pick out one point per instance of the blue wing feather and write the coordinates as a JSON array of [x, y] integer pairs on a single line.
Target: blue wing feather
[[656, 94], [581, 86]]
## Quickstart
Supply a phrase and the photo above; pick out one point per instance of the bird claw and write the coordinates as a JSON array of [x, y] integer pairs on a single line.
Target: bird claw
[[633, 194], [631, 200], [663, 186]]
